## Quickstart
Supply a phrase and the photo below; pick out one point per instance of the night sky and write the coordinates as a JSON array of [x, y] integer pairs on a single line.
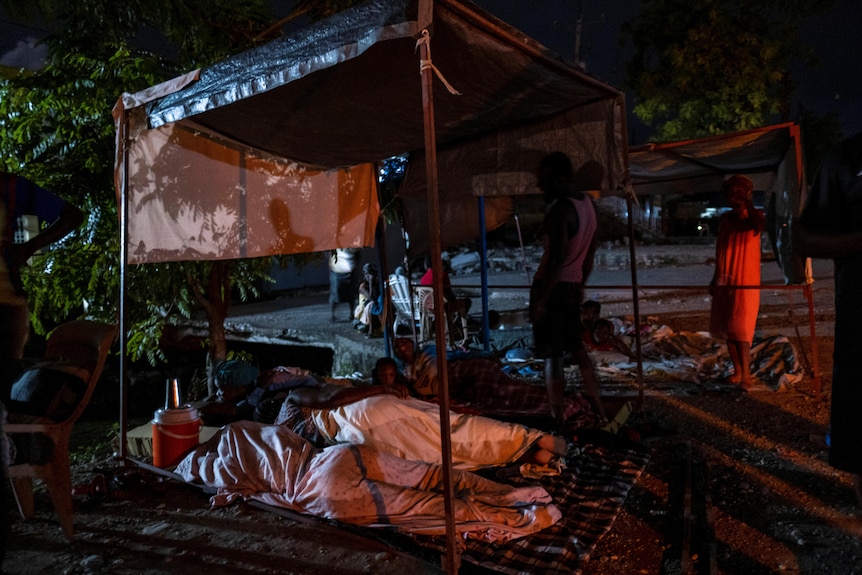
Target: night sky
[[835, 85]]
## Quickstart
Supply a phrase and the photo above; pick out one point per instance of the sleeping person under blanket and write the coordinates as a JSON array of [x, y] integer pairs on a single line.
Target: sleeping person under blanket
[[361, 485], [385, 417]]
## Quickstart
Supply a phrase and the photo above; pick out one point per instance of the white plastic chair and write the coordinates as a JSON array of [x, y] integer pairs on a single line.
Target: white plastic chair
[[406, 310], [425, 304]]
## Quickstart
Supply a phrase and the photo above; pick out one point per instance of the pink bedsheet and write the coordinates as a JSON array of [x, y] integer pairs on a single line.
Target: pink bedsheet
[[360, 485]]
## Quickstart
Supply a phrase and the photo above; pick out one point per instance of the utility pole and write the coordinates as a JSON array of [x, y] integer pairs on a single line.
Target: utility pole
[[579, 29], [578, 26]]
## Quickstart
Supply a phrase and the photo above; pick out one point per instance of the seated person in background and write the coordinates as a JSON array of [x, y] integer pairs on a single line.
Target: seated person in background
[[476, 379], [385, 417], [603, 337], [370, 306], [454, 304]]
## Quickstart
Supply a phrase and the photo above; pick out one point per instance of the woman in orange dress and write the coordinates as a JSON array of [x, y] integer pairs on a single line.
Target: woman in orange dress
[[737, 263]]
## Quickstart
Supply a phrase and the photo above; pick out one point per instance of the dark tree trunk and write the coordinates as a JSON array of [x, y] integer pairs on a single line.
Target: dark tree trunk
[[216, 303]]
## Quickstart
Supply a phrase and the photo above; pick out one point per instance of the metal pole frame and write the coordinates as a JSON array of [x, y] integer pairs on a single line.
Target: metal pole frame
[[122, 453]]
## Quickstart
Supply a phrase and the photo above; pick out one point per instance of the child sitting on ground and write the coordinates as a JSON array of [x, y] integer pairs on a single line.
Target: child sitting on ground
[[603, 337]]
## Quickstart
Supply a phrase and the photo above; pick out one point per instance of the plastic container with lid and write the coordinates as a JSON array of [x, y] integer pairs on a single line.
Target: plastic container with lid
[[176, 431]]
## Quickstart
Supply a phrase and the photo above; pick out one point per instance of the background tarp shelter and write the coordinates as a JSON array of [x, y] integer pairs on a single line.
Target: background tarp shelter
[[484, 169], [771, 156], [247, 145]]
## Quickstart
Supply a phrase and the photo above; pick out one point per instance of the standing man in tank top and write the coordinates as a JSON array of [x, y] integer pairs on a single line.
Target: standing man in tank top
[[569, 235]]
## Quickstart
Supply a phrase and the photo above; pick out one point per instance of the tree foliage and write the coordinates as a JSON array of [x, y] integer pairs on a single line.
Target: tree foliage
[[56, 130], [705, 67]]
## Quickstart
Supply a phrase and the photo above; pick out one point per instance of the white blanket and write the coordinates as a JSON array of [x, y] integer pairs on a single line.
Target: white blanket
[[410, 428], [357, 484]]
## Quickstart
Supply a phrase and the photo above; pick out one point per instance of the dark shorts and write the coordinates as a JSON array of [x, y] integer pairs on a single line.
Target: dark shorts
[[845, 452], [342, 288], [561, 330]]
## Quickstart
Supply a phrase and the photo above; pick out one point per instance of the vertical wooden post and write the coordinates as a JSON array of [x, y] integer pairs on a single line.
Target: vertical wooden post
[[815, 375], [452, 558]]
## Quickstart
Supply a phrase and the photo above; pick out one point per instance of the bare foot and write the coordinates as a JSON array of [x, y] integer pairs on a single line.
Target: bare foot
[[546, 449], [541, 456], [555, 444]]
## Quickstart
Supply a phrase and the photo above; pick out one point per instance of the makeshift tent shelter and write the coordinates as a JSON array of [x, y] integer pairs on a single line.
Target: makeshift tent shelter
[[271, 151], [771, 156], [345, 93]]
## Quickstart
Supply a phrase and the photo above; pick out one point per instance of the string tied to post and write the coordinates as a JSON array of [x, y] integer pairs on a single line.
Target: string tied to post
[[425, 64]]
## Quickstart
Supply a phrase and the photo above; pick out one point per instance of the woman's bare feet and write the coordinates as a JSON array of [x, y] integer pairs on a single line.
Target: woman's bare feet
[[745, 384]]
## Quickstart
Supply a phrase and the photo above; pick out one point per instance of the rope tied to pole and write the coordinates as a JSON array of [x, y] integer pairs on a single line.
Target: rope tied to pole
[[427, 64]]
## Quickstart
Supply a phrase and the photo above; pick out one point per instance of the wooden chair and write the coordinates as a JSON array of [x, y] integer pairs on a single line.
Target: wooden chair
[[425, 304], [79, 348]]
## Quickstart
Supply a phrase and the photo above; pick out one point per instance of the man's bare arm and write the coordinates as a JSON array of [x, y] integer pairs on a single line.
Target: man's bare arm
[[332, 395]]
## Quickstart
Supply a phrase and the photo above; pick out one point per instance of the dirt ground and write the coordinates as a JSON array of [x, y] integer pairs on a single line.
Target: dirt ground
[[737, 484]]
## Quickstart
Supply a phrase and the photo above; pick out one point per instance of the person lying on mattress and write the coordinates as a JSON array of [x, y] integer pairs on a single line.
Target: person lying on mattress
[[360, 484], [387, 418], [477, 380]]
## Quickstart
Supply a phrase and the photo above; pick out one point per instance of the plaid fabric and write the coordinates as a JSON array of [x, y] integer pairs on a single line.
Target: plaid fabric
[[590, 493], [298, 420], [482, 385]]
